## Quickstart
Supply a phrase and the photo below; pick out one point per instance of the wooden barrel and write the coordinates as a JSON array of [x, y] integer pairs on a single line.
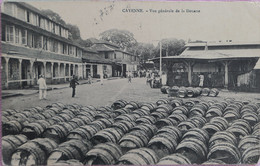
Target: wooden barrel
[[72, 149], [213, 111], [238, 131], [251, 117], [187, 125], [192, 92], [166, 122], [141, 156], [82, 120], [105, 109], [105, 115], [205, 92], [194, 149], [122, 111], [58, 132], [243, 123], [222, 136], [172, 130], [62, 117], [127, 117], [163, 101], [87, 112], [179, 117], [165, 108], [189, 104], [159, 114], [9, 145], [107, 135], [85, 132], [35, 129], [10, 111], [176, 102], [213, 92], [68, 163], [141, 112], [146, 119], [133, 105], [28, 154], [256, 129], [164, 89], [231, 115], [12, 127], [103, 154], [148, 128], [125, 126], [58, 105], [247, 142], [103, 123], [134, 139], [163, 144], [119, 104], [173, 92], [214, 162], [197, 133], [221, 120], [251, 155], [182, 92], [226, 152], [251, 106], [174, 159], [198, 109], [212, 128], [199, 120], [149, 107]]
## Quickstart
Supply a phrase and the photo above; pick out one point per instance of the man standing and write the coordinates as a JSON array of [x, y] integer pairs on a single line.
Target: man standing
[[101, 78], [129, 77], [73, 83], [201, 76], [42, 87]]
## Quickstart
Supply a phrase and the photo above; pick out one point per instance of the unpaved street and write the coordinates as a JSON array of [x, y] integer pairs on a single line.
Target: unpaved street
[[102, 95]]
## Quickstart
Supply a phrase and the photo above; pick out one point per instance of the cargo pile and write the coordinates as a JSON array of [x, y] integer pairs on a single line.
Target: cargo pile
[[183, 92], [167, 132]]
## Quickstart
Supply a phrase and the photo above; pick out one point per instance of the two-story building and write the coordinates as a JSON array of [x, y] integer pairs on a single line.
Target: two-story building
[[122, 61], [223, 64], [33, 45]]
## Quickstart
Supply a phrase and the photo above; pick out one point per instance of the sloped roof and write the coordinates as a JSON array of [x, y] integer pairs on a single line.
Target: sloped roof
[[198, 44], [102, 47], [257, 65]]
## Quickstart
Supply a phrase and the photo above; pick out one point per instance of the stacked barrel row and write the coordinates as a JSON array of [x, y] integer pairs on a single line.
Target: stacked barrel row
[[170, 131], [189, 91]]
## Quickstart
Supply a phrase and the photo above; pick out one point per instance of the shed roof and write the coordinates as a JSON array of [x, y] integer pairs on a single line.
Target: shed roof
[[257, 65]]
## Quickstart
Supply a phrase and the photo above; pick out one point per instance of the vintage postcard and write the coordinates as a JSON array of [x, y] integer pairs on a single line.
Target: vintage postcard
[[105, 82]]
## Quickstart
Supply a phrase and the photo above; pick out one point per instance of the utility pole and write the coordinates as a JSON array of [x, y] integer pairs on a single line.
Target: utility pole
[[160, 58]]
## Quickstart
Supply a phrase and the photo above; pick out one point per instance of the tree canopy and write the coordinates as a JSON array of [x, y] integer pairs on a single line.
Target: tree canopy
[[170, 47], [122, 38]]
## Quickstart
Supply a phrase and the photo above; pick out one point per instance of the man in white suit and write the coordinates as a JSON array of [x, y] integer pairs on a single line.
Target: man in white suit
[[42, 87]]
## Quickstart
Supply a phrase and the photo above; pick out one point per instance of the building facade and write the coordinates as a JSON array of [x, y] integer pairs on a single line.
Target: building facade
[[122, 61], [223, 64], [33, 45]]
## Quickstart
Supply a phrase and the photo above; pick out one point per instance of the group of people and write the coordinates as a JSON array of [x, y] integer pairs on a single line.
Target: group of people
[[43, 86]]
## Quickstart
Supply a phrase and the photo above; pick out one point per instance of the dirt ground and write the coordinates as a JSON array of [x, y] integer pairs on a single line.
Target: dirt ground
[[104, 95]]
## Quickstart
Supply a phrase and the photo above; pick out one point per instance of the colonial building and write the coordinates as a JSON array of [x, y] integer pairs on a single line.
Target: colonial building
[[122, 61], [223, 64], [33, 44]]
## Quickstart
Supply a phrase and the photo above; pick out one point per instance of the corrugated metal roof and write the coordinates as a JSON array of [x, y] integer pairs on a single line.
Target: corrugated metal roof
[[221, 43]]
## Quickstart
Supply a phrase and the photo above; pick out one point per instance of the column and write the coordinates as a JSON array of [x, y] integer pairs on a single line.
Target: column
[[189, 73], [52, 72], [226, 74], [44, 69], [69, 72], [7, 71], [31, 73], [91, 70], [20, 72], [65, 72], [74, 69], [59, 72]]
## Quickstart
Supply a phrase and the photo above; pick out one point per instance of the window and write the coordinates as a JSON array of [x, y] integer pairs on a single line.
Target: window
[[114, 55], [28, 16], [10, 34], [106, 55], [45, 43], [65, 49], [55, 46], [3, 32], [21, 13], [24, 36], [17, 36]]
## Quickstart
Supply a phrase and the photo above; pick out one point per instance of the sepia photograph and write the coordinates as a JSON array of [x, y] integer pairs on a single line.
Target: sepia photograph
[[106, 82]]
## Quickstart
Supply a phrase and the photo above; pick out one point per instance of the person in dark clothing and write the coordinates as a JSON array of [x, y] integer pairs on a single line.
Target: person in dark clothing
[[73, 83]]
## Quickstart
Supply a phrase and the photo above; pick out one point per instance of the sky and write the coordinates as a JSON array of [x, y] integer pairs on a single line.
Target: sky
[[213, 21]]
